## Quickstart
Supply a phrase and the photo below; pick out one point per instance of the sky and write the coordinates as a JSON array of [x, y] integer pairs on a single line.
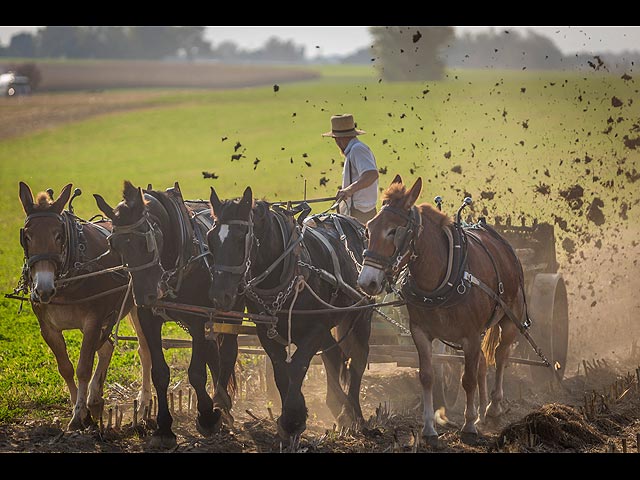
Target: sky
[[334, 40]]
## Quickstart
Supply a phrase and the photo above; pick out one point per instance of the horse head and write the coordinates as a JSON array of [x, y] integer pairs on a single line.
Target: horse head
[[390, 235], [44, 240], [230, 240], [138, 238]]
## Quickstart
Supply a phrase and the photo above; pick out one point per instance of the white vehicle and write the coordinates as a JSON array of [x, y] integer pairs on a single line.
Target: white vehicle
[[13, 85]]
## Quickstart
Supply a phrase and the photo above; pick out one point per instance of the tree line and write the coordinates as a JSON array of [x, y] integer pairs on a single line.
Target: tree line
[[143, 43], [399, 53]]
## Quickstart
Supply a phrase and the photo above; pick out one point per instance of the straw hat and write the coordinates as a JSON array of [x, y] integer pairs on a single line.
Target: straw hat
[[343, 126]]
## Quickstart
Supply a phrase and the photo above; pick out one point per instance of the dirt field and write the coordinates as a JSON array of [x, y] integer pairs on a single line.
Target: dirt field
[[70, 76], [24, 115], [537, 419]]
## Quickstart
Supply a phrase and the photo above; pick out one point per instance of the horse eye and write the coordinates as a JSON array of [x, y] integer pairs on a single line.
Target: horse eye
[[58, 237], [392, 232]]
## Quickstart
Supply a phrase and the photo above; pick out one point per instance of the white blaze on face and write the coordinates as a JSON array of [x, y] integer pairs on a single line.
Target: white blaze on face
[[371, 280], [224, 232]]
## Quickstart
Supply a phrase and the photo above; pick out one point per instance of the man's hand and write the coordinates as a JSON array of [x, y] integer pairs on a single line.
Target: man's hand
[[344, 194]]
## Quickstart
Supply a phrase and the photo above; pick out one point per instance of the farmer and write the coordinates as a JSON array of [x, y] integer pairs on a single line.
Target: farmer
[[359, 193]]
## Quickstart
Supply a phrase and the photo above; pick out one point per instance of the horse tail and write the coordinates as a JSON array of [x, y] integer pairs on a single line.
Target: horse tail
[[489, 344]]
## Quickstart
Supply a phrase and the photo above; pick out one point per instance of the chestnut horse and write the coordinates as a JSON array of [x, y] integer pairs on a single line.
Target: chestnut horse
[[68, 274], [461, 284], [304, 278], [161, 240]]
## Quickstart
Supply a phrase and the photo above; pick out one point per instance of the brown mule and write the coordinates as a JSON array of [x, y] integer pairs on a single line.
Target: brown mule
[[456, 297], [60, 250]]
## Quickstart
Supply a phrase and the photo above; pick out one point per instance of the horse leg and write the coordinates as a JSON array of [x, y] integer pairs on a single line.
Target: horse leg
[[144, 396], [508, 334], [209, 420], [226, 384], [424, 347], [96, 387], [277, 355], [472, 350], [293, 420], [151, 326], [357, 364], [482, 386], [333, 359], [58, 346], [90, 337]]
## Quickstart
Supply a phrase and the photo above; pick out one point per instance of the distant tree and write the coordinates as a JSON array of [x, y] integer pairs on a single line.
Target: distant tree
[[410, 53], [22, 45], [277, 50], [361, 56], [506, 49]]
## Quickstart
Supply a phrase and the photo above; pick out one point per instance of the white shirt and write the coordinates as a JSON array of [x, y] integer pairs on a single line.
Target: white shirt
[[359, 159]]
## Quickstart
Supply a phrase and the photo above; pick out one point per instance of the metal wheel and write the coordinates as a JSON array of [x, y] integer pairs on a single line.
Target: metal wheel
[[548, 309], [447, 375]]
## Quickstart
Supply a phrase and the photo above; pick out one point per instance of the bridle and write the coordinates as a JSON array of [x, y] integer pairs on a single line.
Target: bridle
[[403, 242], [152, 235], [58, 259], [243, 267]]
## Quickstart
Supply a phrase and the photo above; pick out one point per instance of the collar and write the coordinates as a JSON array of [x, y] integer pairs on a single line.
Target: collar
[[350, 145]]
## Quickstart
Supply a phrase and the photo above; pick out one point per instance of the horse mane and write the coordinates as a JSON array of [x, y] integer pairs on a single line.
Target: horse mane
[[395, 195], [43, 201], [433, 215]]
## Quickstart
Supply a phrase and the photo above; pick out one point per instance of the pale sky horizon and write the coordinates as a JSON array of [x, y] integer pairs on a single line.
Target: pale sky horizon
[[341, 40]]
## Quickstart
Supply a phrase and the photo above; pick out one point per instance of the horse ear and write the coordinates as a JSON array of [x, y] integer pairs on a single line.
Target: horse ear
[[103, 206], [214, 201], [397, 179], [413, 194], [129, 192], [62, 199], [247, 197], [26, 198]]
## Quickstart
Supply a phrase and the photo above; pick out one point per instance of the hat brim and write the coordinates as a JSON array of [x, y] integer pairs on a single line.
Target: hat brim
[[350, 133]]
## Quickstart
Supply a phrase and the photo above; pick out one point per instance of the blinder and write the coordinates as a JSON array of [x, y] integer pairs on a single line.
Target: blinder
[[152, 236], [400, 236]]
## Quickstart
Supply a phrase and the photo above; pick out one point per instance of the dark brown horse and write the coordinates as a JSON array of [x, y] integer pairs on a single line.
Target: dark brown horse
[[161, 240], [304, 278], [67, 272], [463, 285]]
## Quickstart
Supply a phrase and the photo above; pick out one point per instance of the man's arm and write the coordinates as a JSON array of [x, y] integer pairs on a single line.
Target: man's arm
[[363, 181]]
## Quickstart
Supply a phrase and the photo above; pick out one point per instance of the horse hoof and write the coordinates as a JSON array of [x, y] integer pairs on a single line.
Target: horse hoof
[[285, 434], [469, 438], [212, 425], [227, 418], [77, 423], [163, 441], [433, 441], [493, 411]]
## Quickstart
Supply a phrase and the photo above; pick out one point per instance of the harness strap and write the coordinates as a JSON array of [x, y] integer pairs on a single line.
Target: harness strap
[[523, 329], [336, 265]]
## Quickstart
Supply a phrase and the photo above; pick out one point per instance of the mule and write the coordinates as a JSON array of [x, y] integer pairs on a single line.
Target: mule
[[66, 272], [463, 285], [305, 279], [161, 241]]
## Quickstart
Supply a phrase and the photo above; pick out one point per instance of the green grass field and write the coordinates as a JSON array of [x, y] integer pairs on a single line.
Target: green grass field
[[514, 140]]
